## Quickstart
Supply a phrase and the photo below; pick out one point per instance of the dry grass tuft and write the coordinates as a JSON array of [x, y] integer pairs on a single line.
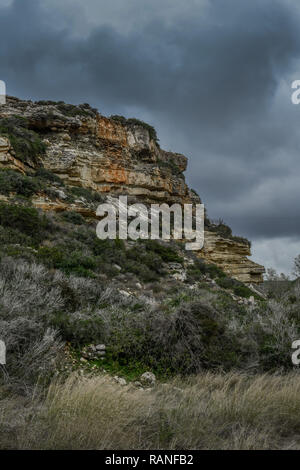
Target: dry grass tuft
[[208, 411]]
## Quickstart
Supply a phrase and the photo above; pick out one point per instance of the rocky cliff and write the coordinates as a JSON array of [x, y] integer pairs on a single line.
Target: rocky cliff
[[110, 156]]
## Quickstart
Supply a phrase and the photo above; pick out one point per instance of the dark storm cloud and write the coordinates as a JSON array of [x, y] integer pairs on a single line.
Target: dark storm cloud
[[219, 65], [214, 80]]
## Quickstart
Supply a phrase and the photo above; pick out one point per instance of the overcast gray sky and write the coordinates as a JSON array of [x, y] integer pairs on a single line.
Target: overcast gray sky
[[213, 76]]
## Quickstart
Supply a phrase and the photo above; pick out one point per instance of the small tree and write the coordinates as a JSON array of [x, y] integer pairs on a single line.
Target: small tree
[[272, 275], [296, 270]]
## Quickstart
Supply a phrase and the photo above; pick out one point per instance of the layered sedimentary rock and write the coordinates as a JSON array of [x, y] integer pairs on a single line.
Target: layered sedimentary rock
[[7, 159], [232, 257], [99, 153], [114, 157]]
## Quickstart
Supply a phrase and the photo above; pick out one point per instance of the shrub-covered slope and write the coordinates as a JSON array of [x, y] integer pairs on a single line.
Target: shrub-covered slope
[[154, 305], [101, 157]]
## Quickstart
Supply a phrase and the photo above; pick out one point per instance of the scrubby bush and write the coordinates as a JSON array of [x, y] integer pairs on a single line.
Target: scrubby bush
[[14, 182], [170, 165], [200, 268], [145, 259], [238, 287], [225, 231], [243, 291], [26, 299], [36, 306], [33, 352], [73, 217], [72, 110], [167, 253], [26, 143], [86, 193], [62, 257], [131, 122], [182, 332], [227, 282], [147, 265], [49, 176], [184, 340], [173, 330], [26, 220], [11, 236]]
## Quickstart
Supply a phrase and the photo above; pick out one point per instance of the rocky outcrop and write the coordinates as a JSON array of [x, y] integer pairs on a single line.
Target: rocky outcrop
[[232, 257], [113, 157], [7, 159], [96, 152]]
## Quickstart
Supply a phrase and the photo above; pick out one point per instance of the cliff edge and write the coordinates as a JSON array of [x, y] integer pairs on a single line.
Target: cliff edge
[[110, 156]]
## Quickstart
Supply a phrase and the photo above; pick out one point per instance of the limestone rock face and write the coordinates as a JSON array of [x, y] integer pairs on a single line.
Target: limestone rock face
[[231, 256], [93, 151], [89, 150], [7, 159]]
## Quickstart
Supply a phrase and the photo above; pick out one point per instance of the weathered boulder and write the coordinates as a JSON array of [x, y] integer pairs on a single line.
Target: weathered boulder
[[148, 379]]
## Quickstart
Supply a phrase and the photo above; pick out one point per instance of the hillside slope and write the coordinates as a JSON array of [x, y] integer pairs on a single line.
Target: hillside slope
[[110, 156]]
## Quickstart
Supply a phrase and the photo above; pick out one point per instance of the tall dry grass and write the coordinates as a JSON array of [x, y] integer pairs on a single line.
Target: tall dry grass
[[209, 411]]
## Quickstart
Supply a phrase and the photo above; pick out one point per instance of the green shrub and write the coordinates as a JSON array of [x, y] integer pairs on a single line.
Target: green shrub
[[228, 283], [14, 182], [145, 264], [26, 143], [119, 119], [46, 102], [11, 236], [238, 287], [243, 291], [61, 257], [136, 122], [166, 252], [184, 341], [214, 271], [86, 193], [72, 110], [225, 231], [170, 165], [26, 220], [222, 229], [197, 270], [47, 175], [107, 249], [73, 217], [144, 259], [78, 330]]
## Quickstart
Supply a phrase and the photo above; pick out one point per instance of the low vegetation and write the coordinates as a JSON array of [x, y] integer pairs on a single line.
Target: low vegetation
[[221, 360], [171, 165], [86, 193], [131, 122], [208, 411], [225, 231], [181, 332], [159, 323], [44, 182], [26, 143], [70, 110]]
